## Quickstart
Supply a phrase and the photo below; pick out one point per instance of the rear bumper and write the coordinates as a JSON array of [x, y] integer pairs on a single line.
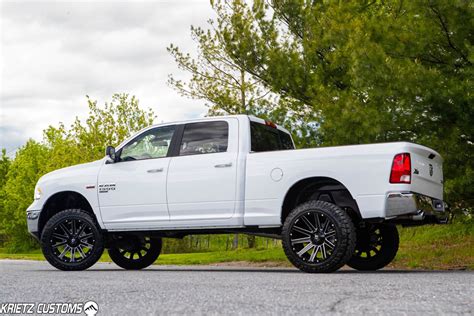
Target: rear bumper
[[410, 206]]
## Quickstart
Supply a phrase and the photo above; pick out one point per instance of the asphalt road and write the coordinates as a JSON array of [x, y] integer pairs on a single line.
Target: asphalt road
[[208, 290]]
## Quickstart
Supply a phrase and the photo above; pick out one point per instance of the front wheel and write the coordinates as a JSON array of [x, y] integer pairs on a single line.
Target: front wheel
[[377, 246], [318, 237], [135, 252], [71, 240]]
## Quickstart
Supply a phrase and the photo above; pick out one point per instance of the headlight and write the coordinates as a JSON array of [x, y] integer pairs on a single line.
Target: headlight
[[38, 193], [32, 214]]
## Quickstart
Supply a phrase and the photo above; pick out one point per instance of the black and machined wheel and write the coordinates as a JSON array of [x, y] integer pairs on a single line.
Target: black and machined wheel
[[376, 247], [135, 252], [318, 237], [71, 240]]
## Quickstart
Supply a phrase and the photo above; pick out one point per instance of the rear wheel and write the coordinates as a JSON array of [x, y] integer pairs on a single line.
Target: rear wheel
[[71, 240], [318, 237], [135, 252], [377, 246]]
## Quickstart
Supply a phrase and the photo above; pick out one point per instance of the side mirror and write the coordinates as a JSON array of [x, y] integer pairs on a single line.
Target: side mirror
[[110, 152]]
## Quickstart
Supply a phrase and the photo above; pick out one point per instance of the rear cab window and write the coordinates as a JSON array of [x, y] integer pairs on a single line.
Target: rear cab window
[[265, 137]]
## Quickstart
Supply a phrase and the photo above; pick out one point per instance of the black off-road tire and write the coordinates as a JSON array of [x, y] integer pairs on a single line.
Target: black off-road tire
[[141, 253], [376, 247], [88, 240], [341, 234]]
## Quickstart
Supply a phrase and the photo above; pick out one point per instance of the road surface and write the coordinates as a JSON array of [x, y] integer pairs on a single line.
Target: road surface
[[213, 290]]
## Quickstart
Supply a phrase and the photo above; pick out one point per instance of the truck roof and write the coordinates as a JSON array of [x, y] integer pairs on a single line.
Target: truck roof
[[209, 118]]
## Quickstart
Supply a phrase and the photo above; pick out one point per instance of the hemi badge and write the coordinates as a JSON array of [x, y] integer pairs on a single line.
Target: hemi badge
[[90, 186]]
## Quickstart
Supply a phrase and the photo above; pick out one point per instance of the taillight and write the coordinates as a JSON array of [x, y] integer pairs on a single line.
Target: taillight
[[401, 169]]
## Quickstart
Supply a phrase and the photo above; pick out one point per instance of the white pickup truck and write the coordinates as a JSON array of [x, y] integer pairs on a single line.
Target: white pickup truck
[[237, 174]]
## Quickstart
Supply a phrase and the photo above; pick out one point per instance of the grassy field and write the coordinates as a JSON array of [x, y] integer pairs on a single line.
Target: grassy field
[[427, 247]]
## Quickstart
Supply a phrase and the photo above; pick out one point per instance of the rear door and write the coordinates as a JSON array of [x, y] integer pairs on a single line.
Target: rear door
[[202, 179]]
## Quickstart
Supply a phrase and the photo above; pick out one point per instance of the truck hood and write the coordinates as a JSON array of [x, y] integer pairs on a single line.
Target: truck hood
[[81, 169]]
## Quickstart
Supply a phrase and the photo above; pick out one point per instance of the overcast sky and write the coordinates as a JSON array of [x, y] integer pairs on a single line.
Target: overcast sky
[[53, 53]]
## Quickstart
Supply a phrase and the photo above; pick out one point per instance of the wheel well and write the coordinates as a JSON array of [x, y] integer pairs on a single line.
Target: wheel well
[[63, 201], [320, 188]]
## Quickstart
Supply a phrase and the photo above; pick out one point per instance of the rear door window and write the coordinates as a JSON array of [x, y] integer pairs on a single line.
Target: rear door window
[[204, 138]]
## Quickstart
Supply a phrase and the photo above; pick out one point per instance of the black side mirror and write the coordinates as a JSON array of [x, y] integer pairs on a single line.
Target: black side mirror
[[110, 152]]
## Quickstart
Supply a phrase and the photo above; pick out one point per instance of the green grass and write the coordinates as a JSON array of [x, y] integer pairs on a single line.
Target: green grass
[[247, 255], [437, 247], [426, 247]]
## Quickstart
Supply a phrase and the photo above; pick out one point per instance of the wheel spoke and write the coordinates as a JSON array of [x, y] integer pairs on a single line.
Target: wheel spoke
[[59, 236], [314, 254], [330, 244], [323, 247], [59, 244], [81, 252], [86, 244], [66, 249], [302, 230], [86, 236], [317, 221], [305, 249], [73, 229], [326, 225], [331, 233], [308, 223], [65, 229], [81, 229], [300, 240], [73, 254]]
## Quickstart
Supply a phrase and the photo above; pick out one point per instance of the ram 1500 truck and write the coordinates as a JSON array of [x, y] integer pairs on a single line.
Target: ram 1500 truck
[[330, 206]]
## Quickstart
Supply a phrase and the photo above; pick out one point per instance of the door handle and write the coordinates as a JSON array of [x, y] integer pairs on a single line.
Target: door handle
[[224, 165], [155, 170]]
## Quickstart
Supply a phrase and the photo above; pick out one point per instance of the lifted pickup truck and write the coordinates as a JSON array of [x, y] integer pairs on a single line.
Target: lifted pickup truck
[[237, 174]]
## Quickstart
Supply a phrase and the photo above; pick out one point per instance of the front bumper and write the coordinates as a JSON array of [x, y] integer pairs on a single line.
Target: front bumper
[[410, 206], [32, 219]]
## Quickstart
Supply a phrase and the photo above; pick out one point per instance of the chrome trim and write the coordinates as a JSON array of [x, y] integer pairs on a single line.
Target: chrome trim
[[417, 205]]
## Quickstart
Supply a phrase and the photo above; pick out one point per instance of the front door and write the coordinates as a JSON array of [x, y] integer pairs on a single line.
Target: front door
[[202, 178], [132, 191]]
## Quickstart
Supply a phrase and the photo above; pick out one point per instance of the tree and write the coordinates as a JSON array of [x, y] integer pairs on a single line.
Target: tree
[[86, 141], [4, 166], [24, 171], [227, 87], [365, 71]]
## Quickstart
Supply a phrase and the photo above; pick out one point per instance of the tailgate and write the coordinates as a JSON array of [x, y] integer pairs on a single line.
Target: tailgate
[[427, 171]]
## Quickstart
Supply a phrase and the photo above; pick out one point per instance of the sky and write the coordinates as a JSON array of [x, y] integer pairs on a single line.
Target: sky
[[54, 53]]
